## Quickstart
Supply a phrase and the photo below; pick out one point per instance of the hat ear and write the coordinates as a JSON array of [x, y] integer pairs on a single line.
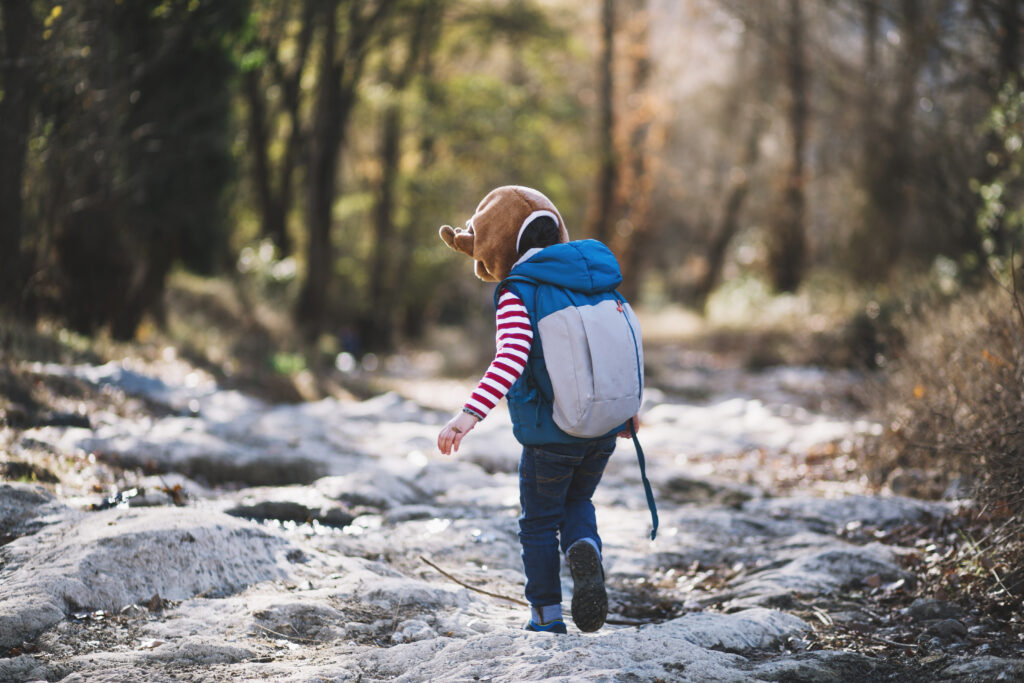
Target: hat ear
[[458, 239]]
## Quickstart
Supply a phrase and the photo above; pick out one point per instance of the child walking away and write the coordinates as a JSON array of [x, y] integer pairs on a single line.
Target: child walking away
[[570, 363]]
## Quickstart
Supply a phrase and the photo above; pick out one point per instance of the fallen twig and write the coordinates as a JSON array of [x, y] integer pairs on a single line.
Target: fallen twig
[[474, 588], [891, 642], [822, 615]]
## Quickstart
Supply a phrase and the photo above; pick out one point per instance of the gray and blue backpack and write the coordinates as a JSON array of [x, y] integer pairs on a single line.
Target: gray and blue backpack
[[584, 379]]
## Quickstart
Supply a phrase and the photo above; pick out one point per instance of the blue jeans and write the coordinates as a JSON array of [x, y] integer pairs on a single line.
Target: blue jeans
[[556, 483]]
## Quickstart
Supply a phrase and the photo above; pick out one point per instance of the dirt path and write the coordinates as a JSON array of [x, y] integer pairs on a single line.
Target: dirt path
[[771, 563]]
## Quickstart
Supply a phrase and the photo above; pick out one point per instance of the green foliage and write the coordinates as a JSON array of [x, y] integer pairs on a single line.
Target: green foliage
[[132, 151], [1001, 211], [288, 363]]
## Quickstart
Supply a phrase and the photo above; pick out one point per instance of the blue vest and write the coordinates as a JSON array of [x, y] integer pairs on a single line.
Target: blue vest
[[530, 398]]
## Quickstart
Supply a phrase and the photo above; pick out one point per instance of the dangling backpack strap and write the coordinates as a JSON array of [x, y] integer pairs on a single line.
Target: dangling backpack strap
[[647, 483]]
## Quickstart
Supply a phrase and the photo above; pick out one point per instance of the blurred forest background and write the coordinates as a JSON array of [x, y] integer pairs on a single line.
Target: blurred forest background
[[314, 146], [257, 185]]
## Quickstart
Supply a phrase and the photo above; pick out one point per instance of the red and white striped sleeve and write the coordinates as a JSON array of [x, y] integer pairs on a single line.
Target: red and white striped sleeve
[[514, 338]]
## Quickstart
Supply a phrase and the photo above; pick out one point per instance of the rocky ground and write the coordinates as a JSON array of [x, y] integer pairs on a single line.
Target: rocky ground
[[156, 527]]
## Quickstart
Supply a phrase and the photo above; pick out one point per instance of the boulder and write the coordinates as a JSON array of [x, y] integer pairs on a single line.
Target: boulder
[[24, 509], [107, 560]]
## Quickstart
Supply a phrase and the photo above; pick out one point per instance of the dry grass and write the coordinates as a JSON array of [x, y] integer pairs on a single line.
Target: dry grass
[[954, 401], [953, 404]]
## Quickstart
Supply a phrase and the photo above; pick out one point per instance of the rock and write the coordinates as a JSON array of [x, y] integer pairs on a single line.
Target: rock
[[413, 630], [925, 609], [288, 511], [17, 470], [684, 489], [984, 670], [752, 629], [666, 651], [207, 596], [827, 514], [959, 488], [294, 504], [199, 450], [24, 509], [107, 560], [23, 668], [819, 572], [823, 666], [60, 419], [377, 489], [281, 510], [408, 513], [916, 483], [303, 621], [946, 630]]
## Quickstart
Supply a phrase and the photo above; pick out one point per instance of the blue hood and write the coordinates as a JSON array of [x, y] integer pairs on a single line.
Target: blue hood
[[586, 266]]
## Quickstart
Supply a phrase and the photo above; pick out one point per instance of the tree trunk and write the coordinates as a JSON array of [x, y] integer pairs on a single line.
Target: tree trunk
[[1009, 45], [872, 238], [603, 205], [788, 245], [275, 198], [381, 315], [322, 178], [897, 176], [378, 321], [272, 213], [341, 67], [636, 184], [728, 226], [15, 121], [739, 178], [412, 314]]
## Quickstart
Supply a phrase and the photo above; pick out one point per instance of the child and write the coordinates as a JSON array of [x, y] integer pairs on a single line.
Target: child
[[517, 230]]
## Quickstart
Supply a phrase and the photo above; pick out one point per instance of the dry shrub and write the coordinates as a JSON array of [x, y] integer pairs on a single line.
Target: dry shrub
[[954, 399], [953, 405]]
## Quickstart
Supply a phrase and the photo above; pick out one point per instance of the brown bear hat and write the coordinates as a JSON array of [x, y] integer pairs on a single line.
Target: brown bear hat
[[491, 237]]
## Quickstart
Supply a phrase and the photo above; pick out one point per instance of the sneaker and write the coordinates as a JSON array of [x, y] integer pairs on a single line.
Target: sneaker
[[589, 599], [556, 626]]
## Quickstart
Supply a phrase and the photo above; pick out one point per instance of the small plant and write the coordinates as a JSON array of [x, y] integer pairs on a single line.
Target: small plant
[[1000, 218], [288, 363]]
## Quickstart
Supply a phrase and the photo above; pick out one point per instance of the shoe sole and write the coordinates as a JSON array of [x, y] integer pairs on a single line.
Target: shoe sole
[[589, 598]]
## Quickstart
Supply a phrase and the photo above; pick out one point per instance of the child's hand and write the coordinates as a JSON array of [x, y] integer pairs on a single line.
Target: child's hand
[[625, 433], [452, 434]]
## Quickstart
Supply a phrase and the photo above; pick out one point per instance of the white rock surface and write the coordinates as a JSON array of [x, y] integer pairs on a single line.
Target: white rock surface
[[310, 602], [107, 560], [26, 508]]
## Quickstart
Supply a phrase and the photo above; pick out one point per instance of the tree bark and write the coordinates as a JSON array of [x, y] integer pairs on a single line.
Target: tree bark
[[413, 313], [274, 185], [340, 69], [788, 242], [1009, 45], [738, 188], [728, 226], [636, 184], [271, 215], [871, 238], [377, 325], [603, 205], [15, 121], [322, 177]]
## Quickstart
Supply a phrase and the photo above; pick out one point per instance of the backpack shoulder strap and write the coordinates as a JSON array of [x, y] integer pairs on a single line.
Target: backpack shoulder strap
[[647, 483]]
